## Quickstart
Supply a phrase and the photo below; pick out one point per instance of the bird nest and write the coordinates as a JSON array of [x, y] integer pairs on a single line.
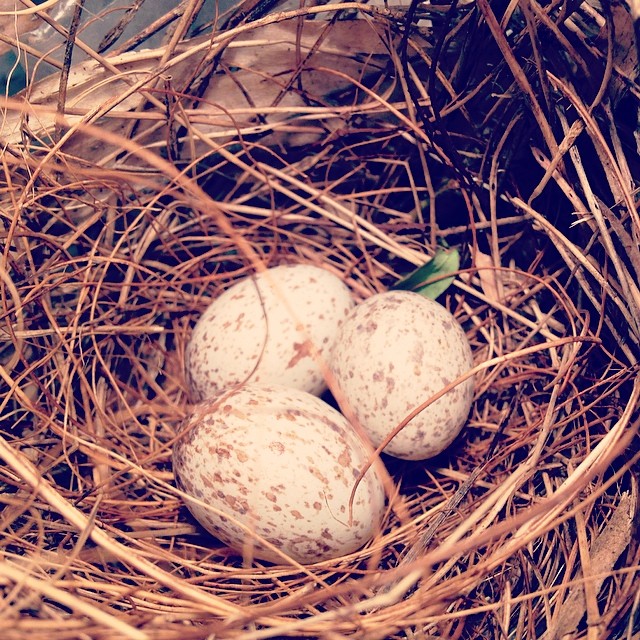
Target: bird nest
[[147, 170]]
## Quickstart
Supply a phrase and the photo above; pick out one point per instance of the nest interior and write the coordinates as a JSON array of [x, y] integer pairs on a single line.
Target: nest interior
[[146, 171]]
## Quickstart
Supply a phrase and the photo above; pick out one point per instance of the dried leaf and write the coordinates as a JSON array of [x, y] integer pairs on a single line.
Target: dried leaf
[[488, 276], [14, 26], [264, 77], [605, 551], [625, 49]]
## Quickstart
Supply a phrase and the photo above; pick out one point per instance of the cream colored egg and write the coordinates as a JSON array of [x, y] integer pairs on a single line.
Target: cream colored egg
[[395, 351], [250, 333], [283, 463]]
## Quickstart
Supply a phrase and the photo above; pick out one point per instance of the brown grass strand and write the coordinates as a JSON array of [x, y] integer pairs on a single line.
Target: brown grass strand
[[355, 145]]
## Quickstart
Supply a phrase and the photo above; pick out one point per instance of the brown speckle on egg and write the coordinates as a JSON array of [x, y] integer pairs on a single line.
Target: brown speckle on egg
[[282, 463], [271, 327], [423, 348]]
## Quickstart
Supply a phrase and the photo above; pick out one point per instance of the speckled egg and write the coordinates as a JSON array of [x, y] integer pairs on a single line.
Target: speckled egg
[[250, 334], [283, 463], [394, 351]]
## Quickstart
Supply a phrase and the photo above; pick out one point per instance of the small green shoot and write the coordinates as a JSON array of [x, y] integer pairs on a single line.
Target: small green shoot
[[432, 279]]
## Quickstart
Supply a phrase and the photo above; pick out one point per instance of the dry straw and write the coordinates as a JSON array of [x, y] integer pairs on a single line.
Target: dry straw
[[141, 177]]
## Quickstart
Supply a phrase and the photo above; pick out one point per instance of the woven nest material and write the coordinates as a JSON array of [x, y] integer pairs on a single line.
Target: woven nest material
[[139, 183]]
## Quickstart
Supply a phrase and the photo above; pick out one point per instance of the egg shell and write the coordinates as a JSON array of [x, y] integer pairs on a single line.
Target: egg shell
[[283, 463], [249, 334], [394, 351]]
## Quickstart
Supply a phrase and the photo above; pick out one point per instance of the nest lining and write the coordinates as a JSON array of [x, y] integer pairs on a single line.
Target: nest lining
[[118, 235]]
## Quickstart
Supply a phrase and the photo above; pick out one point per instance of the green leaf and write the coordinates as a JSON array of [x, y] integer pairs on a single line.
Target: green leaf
[[432, 279]]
